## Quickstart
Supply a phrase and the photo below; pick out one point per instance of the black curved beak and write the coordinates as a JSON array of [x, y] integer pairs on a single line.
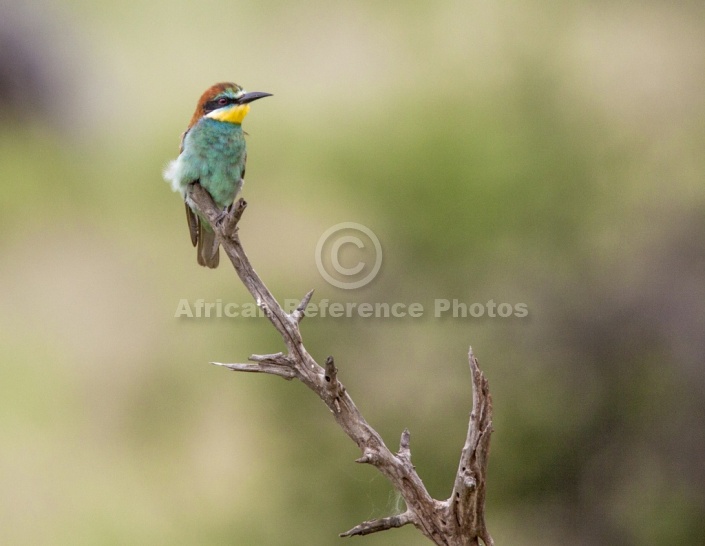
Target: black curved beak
[[249, 97]]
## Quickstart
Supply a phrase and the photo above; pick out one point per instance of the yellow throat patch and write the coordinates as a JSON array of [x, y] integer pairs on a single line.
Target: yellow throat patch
[[235, 114]]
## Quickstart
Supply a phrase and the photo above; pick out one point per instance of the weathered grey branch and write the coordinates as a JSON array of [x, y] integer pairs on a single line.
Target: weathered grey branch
[[460, 520], [467, 501]]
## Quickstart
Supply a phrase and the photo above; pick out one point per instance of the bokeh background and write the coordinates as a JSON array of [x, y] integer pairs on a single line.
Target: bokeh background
[[545, 153]]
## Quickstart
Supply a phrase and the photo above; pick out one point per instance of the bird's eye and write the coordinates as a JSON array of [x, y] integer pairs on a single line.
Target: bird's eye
[[222, 101]]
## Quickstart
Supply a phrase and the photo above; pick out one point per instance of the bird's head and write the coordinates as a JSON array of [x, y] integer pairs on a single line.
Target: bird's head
[[226, 102]]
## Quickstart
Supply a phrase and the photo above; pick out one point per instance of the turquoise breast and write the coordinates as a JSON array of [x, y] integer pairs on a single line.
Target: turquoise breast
[[214, 154]]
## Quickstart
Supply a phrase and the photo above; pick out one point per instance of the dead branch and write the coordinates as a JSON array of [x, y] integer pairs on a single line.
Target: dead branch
[[457, 521]]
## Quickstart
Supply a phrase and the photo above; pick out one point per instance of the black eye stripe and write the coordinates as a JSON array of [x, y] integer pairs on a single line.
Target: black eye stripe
[[216, 103]]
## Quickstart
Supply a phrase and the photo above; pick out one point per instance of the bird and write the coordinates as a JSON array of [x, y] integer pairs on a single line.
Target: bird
[[213, 153]]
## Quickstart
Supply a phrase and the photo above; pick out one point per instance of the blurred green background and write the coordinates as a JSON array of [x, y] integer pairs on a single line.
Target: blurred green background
[[545, 153]]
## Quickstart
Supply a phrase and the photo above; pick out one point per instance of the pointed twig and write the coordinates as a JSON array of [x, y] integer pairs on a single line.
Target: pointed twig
[[300, 311], [263, 367], [369, 456], [376, 525]]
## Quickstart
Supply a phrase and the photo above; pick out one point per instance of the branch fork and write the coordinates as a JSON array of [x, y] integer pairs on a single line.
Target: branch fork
[[457, 521]]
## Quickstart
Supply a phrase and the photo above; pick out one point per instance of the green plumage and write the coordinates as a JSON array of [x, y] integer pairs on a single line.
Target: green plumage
[[213, 154]]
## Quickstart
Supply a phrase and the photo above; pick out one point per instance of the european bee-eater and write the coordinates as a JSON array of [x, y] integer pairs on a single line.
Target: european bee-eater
[[213, 153]]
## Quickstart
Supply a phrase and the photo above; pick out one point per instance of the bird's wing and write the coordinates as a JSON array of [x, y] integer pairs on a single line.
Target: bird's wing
[[181, 144], [193, 223], [191, 217]]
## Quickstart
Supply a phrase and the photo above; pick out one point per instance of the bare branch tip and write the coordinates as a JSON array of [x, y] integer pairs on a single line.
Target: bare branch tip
[[331, 371], [404, 451], [233, 214], [240, 206], [405, 438]]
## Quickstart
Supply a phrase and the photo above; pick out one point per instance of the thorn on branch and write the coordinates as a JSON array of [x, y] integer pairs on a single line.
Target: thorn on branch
[[368, 457], [300, 311]]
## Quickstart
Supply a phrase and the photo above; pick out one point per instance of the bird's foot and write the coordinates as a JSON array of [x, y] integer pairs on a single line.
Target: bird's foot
[[223, 214]]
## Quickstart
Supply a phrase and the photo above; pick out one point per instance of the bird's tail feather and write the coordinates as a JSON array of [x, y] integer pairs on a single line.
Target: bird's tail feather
[[208, 247]]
